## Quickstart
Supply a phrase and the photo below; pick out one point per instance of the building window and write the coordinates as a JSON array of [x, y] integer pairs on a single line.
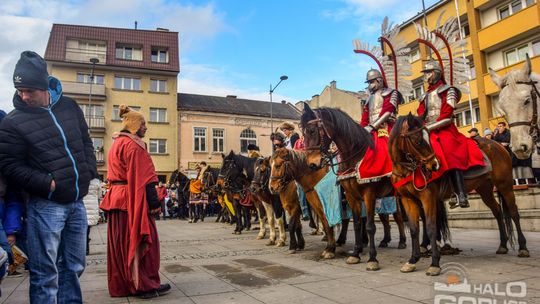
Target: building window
[[513, 7], [247, 137], [218, 140], [414, 55], [127, 83], [83, 50], [97, 142], [199, 139], [129, 52], [160, 55], [116, 111], [417, 92], [464, 117], [536, 48], [158, 85], [85, 78], [515, 55], [158, 146], [158, 115], [465, 31]]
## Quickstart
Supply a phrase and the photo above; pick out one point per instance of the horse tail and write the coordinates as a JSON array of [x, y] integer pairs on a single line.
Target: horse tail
[[442, 221], [507, 220]]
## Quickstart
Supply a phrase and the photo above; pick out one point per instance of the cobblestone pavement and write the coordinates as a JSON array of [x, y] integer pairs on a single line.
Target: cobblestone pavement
[[205, 263]]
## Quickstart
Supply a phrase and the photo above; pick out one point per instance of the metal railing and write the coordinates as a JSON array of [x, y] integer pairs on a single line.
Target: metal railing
[[100, 157], [95, 122]]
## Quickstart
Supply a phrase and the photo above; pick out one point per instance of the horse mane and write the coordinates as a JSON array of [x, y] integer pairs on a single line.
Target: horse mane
[[346, 127], [298, 158], [247, 164]]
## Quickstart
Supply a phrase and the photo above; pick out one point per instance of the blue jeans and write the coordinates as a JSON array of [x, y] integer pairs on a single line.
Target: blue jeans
[[56, 240]]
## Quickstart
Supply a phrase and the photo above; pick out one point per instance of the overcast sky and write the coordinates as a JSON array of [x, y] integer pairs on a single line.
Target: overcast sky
[[236, 47]]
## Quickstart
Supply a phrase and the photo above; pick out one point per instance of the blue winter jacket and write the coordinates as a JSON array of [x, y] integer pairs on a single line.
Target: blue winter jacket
[[38, 145]]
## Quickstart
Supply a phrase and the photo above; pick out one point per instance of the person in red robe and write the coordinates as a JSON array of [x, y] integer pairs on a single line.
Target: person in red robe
[[132, 240], [162, 194], [455, 152]]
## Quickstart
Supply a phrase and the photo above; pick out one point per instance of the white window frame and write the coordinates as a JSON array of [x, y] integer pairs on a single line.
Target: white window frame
[[95, 143], [414, 92], [155, 145], [159, 51], [248, 140], [122, 51], [414, 55], [130, 86], [508, 6], [218, 140], [93, 110], [83, 77], [199, 140], [462, 115], [158, 115], [529, 49], [160, 85]]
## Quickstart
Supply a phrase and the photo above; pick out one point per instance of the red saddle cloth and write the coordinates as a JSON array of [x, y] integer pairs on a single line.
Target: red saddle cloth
[[463, 154], [246, 199], [376, 162]]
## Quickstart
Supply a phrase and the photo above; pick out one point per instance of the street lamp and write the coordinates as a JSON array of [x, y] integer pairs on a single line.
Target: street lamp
[[284, 77], [93, 61]]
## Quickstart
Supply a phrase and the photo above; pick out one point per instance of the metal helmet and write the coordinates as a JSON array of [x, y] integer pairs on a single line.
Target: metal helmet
[[432, 65], [373, 74]]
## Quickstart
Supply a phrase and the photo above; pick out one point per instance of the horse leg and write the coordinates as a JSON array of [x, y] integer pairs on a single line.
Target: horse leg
[[413, 214], [433, 223], [385, 220], [238, 212], [271, 223], [279, 214], [509, 201], [330, 251], [369, 199], [292, 233], [262, 222], [342, 239], [486, 193], [398, 218], [424, 251], [247, 217], [356, 207], [301, 243]]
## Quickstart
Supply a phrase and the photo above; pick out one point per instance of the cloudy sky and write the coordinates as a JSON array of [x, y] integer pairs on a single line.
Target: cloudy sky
[[236, 47]]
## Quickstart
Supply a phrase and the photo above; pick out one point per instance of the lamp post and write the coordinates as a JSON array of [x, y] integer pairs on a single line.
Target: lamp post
[[284, 77], [93, 61]]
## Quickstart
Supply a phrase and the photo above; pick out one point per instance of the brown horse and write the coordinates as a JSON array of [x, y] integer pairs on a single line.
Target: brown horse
[[321, 127], [287, 166], [412, 154]]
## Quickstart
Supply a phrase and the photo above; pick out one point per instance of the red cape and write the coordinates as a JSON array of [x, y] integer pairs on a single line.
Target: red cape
[[129, 161]]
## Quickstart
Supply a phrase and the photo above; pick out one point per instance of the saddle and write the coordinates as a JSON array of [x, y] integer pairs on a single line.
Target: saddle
[[246, 200], [477, 171]]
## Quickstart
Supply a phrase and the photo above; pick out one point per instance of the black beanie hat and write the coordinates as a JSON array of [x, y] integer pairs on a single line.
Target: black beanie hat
[[31, 72]]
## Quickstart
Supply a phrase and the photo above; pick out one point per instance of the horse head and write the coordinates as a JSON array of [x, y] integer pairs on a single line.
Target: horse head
[[280, 174], [313, 129], [261, 176], [410, 139], [229, 170], [518, 100]]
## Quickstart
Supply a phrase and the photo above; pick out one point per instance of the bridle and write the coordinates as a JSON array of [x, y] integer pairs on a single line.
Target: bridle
[[231, 184], [414, 158], [287, 176], [534, 131]]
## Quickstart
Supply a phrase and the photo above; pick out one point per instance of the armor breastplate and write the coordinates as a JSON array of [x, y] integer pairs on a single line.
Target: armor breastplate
[[433, 106], [375, 103]]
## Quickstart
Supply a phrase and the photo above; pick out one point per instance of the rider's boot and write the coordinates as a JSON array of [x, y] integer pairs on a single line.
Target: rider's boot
[[461, 198]]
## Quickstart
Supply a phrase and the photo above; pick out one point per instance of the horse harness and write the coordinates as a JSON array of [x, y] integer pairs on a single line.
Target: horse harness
[[534, 130]]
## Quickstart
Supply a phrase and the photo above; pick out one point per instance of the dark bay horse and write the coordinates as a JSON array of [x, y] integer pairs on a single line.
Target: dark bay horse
[[271, 202], [412, 153], [321, 127], [238, 172], [289, 166]]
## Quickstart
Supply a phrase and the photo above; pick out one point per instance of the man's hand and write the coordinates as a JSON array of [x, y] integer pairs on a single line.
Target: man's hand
[[156, 211], [368, 128], [53, 186], [11, 239]]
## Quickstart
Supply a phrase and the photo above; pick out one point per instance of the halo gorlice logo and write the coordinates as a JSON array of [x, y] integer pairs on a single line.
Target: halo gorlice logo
[[454, 287]]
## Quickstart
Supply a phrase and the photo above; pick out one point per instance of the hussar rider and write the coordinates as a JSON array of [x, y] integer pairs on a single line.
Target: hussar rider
[[381, 106]]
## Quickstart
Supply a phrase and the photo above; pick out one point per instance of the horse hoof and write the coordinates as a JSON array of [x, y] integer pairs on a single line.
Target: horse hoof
[[324, 239], [292, 251], [408, 267], [502, 250], [280, 244], [383, 244], [260, 236], [270, 243], [402, 246], [372, 266], [423, 250], [523, 253], [433, 271], [352, 260], [328, 255]]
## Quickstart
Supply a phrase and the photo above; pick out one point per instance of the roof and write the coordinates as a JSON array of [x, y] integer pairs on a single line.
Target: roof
[[60, 33], [233, 105]]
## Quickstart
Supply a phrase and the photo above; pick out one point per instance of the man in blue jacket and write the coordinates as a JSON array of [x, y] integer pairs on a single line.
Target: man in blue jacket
[[45, 148]]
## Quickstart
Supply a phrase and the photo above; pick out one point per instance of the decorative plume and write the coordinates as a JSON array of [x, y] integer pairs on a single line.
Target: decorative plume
[[447, 44]]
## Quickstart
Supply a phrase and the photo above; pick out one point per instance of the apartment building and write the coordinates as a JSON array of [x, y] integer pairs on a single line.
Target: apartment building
[[498, 33], [211, 125], [102, 68]]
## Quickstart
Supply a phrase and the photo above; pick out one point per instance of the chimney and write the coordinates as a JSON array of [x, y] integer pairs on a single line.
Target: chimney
[[160, 29], [283, 101], [231, 96], [333, 84]]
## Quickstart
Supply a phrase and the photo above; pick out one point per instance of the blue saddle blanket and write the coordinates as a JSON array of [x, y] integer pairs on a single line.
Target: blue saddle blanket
[[385, 205], [329, 193]]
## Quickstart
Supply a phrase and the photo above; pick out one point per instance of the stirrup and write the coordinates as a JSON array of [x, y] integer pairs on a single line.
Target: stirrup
[[464, 202], [454, 201]]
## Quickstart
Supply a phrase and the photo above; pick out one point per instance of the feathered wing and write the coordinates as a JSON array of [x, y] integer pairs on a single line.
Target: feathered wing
[[458, 50], [390, 31], [366, 48]]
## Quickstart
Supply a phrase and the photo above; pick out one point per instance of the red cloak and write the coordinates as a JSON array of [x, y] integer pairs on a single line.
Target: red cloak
[[133, 249]]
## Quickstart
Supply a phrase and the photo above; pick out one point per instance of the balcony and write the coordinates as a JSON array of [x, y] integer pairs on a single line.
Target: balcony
[[82, 55], [491, 88], [507, 29], [82, 90], [95, 123], [479, 3], [100, 157]]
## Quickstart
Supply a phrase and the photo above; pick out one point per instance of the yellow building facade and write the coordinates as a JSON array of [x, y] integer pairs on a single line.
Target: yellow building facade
[[138, 68], [498, 35]]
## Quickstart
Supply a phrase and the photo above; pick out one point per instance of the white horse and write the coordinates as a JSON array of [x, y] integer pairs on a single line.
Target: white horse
[[520, 94]]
